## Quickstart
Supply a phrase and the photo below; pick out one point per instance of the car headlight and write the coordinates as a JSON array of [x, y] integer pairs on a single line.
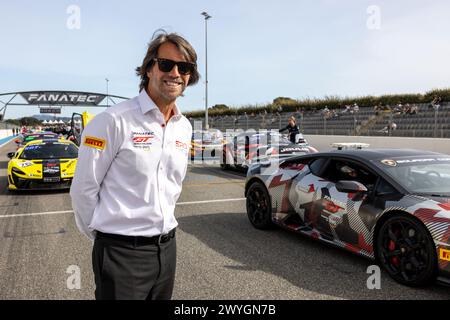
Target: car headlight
[[26, 164]]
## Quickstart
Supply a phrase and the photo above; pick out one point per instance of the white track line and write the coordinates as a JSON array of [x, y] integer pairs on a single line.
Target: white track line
[[210, 201], [34, 214], [5, 143], [70, 211]]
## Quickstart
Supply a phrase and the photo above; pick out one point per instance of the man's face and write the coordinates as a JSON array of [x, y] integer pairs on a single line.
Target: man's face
[[167, 86], [291, 122]]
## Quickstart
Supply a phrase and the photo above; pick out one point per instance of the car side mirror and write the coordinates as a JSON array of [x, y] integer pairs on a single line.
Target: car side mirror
[[11, 155], [350, 187]]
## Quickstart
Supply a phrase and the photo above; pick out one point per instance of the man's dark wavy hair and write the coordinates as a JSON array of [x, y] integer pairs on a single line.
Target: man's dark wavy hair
[[152, 52]]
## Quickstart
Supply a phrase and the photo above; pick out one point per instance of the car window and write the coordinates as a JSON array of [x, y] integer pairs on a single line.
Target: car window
[[343, 170], [317, 165], [49, 151], [295, 164], [384, 188]]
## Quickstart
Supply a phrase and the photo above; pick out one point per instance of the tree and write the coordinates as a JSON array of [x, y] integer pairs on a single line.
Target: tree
[[29, 121], [219, 107]]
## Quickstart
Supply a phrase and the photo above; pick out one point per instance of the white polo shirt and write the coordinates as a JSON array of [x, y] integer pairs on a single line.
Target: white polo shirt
[[130, 169]]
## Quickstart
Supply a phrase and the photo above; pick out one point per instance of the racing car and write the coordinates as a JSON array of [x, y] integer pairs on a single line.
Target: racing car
[[384, 204], [42, 164], [204, 143], [250, 147], [27, 137]]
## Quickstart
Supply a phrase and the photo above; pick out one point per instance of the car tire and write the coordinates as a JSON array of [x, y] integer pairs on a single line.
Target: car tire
[[259, 207], [406, 250]]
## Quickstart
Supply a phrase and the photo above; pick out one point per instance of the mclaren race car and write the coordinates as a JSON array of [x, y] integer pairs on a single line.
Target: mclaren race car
[[42, 164], [388, 205], [27, 137], [247, 148]]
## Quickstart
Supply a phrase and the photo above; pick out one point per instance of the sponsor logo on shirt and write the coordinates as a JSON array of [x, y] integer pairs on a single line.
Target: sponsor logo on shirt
[[94, 142], [142, 139], [181, 145]]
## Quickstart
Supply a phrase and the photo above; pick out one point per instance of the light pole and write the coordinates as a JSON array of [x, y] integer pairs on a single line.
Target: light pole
[[107, 94], [207, 16]]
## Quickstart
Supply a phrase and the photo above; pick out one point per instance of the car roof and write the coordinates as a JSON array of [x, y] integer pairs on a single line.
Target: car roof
[[47, 141], [259, 133], [377, 154]]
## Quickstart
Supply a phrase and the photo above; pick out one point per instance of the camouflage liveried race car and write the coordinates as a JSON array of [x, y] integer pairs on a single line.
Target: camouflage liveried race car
[[388, 205], [253, 147]]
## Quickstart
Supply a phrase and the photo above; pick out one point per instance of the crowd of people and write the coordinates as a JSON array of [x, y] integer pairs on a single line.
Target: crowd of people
[[399, 109]]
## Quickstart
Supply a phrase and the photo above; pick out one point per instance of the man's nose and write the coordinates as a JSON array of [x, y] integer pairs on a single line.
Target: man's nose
[[174, 72]]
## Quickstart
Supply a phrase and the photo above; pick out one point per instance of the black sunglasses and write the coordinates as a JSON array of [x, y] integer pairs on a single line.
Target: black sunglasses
[[166, 65]]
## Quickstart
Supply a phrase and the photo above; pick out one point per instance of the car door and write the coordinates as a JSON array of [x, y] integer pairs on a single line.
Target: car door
[[338, 213], [306, 194], [289, 190]]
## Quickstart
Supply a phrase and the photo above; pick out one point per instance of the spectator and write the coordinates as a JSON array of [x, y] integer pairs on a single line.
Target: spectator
[[347, 109], [292, 129], [414, 109], [435, 104]]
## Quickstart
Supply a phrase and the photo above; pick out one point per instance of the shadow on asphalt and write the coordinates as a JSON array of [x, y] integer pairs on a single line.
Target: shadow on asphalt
[[25, 193], [304, 262], [35, 193], [217, 171], [4, 164]]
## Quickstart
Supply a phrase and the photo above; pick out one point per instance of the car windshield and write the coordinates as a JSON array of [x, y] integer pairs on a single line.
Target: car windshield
[[271, 139], [424, 176], [41, 136], [53, 150], [206, 136]]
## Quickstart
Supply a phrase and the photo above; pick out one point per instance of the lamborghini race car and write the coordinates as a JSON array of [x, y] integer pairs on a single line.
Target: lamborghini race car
[[388, 205], [247, 148], [42, 164]]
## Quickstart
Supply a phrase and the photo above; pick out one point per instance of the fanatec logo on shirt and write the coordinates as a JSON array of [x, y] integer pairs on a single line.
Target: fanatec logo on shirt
[[142, 139]]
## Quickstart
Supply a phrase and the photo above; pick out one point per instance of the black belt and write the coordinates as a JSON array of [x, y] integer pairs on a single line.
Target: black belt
[[162, 238]]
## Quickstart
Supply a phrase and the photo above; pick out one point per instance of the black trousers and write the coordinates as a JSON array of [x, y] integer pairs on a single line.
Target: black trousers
[[127, 270]]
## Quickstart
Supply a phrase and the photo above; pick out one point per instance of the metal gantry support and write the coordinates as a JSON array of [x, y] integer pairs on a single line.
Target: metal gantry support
[[107, 93], [207, 16], [53, 103]]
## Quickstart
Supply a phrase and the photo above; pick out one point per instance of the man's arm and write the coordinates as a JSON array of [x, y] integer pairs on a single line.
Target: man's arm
[[283, 129], [98, 147]]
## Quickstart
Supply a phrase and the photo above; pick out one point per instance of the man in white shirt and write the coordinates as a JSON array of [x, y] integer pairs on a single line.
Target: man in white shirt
[[132, 161]]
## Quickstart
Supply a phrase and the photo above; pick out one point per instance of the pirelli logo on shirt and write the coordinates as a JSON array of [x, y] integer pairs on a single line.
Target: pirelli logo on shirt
[[94, 142]]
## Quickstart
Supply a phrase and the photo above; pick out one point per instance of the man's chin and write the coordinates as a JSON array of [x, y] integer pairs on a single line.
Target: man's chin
[[172, 95]]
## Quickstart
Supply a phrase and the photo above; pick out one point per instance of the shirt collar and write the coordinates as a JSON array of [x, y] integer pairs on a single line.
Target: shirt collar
[[147, 104]]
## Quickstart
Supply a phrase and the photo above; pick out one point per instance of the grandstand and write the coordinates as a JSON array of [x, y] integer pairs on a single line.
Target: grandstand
[[428, 122]]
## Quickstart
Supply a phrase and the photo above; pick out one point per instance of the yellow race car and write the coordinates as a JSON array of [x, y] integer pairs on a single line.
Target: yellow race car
[[42, 164]]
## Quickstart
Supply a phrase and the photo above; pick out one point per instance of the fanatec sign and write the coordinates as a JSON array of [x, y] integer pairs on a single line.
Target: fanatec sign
[[62, 98]]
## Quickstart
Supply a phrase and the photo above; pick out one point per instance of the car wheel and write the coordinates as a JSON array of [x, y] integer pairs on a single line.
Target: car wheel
[[406, 251], [259, 208]]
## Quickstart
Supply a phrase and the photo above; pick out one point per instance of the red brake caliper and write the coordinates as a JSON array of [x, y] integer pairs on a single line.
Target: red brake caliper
[[394, 260]]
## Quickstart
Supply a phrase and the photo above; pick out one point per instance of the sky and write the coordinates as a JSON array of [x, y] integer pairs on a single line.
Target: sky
[[257, 49]]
